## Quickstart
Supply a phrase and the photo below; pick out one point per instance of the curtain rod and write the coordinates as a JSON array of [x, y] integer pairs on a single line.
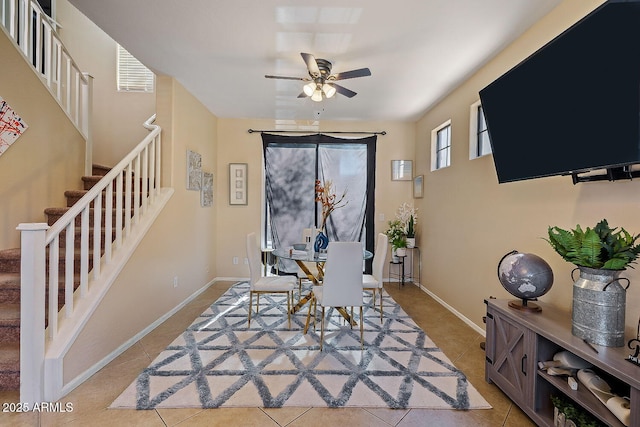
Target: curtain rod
[[306, 131]]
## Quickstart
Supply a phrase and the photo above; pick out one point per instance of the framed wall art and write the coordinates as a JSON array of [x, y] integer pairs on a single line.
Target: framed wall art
[[194, 171], [417, 186], [238, 183], [401, 170], [206, 193]]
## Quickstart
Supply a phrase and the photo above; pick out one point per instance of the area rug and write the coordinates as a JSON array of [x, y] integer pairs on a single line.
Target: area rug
[[220, 362]]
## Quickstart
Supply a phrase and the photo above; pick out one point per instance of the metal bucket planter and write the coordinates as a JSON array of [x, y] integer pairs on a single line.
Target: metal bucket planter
[[599, 303]]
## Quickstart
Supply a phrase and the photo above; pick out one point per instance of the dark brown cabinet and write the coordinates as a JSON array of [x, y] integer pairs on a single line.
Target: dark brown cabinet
[[516, 341]]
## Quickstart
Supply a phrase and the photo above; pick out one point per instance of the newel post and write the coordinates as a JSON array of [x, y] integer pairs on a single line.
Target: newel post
[[32, 303]]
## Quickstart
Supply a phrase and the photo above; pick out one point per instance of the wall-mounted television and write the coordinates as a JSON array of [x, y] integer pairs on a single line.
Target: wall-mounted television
[[574, 105]]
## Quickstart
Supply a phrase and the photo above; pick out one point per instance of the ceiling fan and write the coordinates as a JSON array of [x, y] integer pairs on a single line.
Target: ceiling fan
[[321, 81]]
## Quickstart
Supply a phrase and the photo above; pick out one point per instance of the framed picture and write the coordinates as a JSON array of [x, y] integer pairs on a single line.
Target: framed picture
[[238, 183], [401, 170], [417, 187], [206, 193], [194, 170]]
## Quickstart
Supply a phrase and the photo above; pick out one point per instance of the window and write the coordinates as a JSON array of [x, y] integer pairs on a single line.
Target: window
[[479, 143], [441, 146], [292, 165], [132, 75]]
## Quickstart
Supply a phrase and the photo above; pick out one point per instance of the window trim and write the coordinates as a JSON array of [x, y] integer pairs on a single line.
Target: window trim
[[473, 132], [434, 145]]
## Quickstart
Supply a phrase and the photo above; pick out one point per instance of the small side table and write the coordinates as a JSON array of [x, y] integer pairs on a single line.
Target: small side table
[[400, 265]]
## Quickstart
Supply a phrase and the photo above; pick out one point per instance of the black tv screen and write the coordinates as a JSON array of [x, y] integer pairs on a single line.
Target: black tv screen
[[574, 105]]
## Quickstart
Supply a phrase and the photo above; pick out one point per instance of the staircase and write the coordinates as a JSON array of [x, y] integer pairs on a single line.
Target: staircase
[[10, 288]]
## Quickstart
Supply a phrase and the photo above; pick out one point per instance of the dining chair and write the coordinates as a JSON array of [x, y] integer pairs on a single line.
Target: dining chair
[[373, 282], [342, 285], [266, 285]]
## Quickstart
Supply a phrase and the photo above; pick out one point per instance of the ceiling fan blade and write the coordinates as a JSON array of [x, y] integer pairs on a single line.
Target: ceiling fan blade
[[362, 72], [343, 90], [312, 65], [302, 95], [304, 79]]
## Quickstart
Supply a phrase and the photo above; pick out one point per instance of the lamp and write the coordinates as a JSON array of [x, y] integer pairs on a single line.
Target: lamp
[[309, 88], [328, 90], [318, 90], [317, 95]]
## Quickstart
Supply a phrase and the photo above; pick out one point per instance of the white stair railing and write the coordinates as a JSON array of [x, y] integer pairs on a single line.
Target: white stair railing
[[35, 36], [106, 218]]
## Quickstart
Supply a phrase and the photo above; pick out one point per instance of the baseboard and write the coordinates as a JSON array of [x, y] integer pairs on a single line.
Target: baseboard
[[459, 315], [67, 388]]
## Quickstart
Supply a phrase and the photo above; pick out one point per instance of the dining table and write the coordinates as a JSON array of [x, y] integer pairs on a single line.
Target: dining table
[[302, 259]]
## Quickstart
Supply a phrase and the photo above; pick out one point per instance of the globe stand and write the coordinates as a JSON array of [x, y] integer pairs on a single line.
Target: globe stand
[[525, 305]]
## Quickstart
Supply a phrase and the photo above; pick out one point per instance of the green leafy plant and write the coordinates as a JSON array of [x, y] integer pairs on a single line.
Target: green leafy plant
[[577, 415], [410, 227], [396, 234], [600, 247]]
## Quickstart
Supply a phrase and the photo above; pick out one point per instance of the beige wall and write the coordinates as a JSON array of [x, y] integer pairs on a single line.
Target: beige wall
[[45, 161], [117, 116], [238, 146], [469, 221], [181, 243]]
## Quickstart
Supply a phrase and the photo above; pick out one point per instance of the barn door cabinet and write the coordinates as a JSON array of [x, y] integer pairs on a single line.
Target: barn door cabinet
[[516, 341]]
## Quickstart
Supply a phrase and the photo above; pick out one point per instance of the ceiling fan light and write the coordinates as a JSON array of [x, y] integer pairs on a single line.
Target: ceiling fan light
[[328, 90], [317, 96], [309, 88]]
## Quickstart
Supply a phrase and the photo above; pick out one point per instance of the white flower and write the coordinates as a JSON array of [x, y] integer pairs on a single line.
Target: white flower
[[405, 211]]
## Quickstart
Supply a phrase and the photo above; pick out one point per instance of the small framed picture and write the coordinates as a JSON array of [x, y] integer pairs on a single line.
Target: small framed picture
[[238, 183], [417, 186], [401, 170]]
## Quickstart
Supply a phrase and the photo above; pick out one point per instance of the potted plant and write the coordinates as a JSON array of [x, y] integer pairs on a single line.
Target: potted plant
[[600, 253], [600, 247], [411, 232], [397, 238], [408, 217]]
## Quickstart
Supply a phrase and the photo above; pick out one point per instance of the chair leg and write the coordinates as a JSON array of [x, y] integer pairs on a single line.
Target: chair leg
[[381, 306], [257, 302], [250, 302], [289, 301], [361, 330], [322, 329], [351, 322]]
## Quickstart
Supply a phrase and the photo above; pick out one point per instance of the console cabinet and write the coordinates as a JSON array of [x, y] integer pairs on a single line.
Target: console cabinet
[[517, 340]]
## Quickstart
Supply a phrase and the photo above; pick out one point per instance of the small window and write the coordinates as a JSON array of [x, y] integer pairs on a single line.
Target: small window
[[132, 75], [441, 146], [479, 143]]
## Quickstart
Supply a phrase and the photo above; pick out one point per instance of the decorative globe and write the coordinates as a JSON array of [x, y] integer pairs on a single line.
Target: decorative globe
[[526, 276]]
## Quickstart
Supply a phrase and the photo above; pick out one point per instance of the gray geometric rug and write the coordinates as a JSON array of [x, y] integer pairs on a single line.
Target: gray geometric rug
[[219, 362]]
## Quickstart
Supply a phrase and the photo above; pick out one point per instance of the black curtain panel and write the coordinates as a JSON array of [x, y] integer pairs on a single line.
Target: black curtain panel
[[292, 165]]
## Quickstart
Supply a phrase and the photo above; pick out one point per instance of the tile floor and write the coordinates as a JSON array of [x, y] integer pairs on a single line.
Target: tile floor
[[459, 342]]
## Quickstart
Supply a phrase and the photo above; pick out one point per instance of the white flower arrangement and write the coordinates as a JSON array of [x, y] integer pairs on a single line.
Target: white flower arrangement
[[407, 212]]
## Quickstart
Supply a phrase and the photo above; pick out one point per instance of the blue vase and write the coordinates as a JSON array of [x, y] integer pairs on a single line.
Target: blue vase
[[322, 241]]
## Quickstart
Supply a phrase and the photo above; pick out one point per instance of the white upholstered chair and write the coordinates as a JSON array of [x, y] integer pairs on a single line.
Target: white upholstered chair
[[342, 284], [373, 282], [271, 284]]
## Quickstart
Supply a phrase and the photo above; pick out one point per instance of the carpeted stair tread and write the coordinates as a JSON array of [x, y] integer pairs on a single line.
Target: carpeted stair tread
[[10, 260], [10, 314], [9, 355], [9, 288], [100, 170], [10, 366]]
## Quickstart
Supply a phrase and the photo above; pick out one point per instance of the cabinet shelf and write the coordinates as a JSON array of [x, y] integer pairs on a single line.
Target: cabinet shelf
[[582, 397], [518, 340]]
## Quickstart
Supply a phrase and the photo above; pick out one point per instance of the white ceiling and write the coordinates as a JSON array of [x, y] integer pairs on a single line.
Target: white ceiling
[[417, 50]]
